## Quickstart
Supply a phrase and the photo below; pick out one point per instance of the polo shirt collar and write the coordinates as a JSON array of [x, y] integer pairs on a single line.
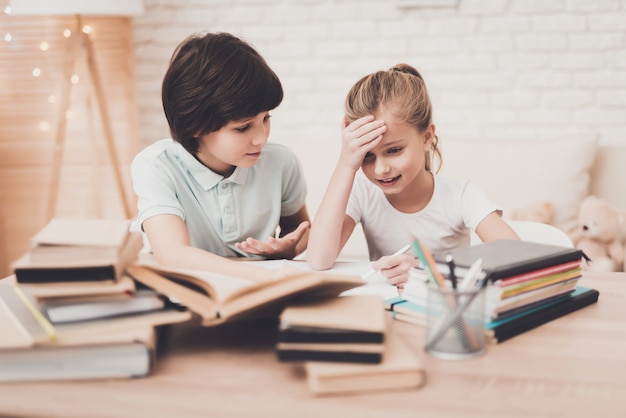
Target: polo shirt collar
[[206, 177]]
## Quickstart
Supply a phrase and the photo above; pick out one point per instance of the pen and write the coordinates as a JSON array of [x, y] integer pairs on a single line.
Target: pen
[[451, 267], [472, 275], [400, 251]]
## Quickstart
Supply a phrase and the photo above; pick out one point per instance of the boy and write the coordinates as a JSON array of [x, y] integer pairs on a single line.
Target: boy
[[216, 189]]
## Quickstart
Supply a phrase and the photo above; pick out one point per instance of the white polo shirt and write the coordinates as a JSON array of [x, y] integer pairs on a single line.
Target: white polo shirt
[[455, 208], [218, 211]]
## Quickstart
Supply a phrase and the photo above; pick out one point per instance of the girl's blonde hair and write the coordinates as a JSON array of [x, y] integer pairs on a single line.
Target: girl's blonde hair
[[400, 90]]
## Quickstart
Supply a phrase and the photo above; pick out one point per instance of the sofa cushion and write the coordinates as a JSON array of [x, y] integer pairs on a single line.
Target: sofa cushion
[[518, 174]]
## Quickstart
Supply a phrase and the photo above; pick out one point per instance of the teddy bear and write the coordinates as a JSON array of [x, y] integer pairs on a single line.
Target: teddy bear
[[598, 234]]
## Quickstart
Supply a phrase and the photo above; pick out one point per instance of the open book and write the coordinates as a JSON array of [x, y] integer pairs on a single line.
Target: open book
[[218, 298]]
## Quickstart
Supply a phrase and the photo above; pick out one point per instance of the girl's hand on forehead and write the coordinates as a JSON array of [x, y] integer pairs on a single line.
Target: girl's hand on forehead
[[358, 138]]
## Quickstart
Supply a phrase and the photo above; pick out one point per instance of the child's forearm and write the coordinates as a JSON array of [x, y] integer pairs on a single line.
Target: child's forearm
[[326, 230]]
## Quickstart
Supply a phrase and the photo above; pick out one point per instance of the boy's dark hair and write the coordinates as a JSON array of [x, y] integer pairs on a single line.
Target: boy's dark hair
[[213, 79]]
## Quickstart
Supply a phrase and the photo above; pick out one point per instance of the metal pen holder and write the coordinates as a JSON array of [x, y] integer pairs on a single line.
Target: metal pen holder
[[455, 323]]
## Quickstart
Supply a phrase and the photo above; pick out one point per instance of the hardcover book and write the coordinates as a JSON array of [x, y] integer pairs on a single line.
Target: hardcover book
[[88, 237], [400, 369], [122, 354], [76, 268], [58, 291], [60, 312], [348, 329]]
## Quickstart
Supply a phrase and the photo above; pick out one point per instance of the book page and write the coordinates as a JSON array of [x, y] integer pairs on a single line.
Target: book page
[[373, 284], [218, 287]]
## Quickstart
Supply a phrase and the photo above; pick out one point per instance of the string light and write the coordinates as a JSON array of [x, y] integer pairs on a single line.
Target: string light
[[7, 10], [45, 125]]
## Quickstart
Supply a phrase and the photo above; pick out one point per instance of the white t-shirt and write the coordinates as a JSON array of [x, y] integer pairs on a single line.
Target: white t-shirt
[[455, 208], [218, 211]]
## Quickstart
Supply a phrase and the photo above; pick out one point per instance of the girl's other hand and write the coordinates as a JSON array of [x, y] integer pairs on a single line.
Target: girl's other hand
[[275, 248], [396, 268], [358, 138]]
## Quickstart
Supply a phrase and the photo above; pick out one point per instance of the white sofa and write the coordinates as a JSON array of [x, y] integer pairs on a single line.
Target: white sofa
[[521, 174]]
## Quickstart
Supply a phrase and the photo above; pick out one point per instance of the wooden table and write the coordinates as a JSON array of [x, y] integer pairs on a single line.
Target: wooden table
[[573, 366]]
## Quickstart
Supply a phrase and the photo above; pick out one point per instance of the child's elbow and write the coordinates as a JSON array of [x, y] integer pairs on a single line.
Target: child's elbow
[[319, 264]]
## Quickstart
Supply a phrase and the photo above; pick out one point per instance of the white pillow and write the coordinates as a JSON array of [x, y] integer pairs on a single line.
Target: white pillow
[[518, 174]]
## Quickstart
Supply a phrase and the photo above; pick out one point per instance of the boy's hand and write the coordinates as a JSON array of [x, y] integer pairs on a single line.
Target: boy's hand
[[358, 138], [396, 268], [275, 248]]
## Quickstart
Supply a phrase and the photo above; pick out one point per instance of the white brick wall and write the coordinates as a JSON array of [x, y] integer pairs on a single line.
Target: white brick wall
[[495, 68]]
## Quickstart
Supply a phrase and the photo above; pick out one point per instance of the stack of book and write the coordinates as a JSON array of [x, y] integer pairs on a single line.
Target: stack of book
[[79, 250], [529, 284], [346, 346], [71, 312], [345, 329]]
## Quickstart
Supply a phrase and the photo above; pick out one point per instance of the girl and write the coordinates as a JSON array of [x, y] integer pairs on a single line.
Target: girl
[[217, 189], [388, 133]]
